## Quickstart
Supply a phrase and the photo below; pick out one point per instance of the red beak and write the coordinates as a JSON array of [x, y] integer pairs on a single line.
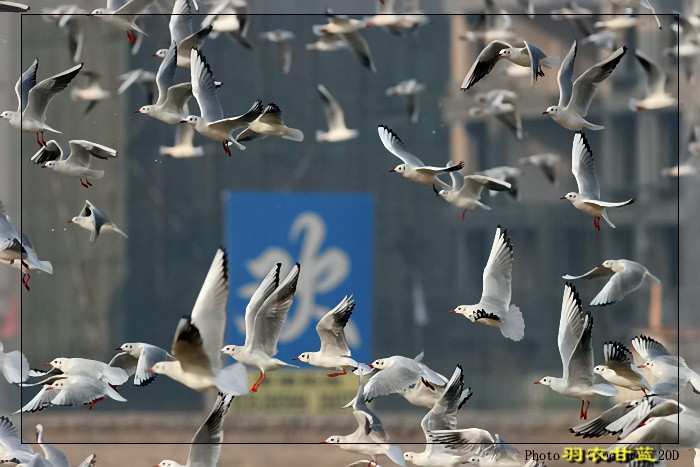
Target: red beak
[[138, 111], [545, 113], [537, 382], [183, 121], [118, 348], [370, 365], [70, 221], [47, 364], [150, 371], [323, 442], [600, 265], [453, 311], [295, 358], [641, 366], [392, 170], [563, 197]]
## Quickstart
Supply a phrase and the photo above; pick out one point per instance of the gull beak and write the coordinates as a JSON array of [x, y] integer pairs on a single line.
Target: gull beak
[[537, 382], [370, 365], [183, 121], [563, 197], [150, 371], [545, 113], [392, 170], [453, 311], [137, 111], [641, 366], [600, 266], [295, 358], [70, 221], [323, 442], [118, 348], [47, 364]]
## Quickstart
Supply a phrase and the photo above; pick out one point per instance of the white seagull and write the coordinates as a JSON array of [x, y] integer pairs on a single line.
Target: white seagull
[[575, 98], [33, 99], [528, 56], [337, 130], [183, 148], [77, 163], [576, 351], [72, 390], [349, 30], [86, 367], [268, 123], [494, 307], [547, 162], [669, 370], [655, 80], [135, 358], [95, 220], [369, 438], [231, 17], [212, 123], [171, 105], [183, 34], [199, 337], [481, 447], [13, 7], [413, 168], [282, 40], [624, 276], [30, 263], [691, 165], [56, 457], [620, 370], [11, 248], [466, 190], [443, 416], [588, 197], [92, 93], [409, 377], [334, 353], [412, 89], [13, 449], [205, 447], [636, 4], [122, 15], [264, 318]]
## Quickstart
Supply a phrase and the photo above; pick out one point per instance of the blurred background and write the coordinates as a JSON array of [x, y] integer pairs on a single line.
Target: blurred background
[[406, 254]]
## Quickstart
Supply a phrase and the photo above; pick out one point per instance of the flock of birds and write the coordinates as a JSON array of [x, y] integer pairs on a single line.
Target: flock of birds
[[195, 358]]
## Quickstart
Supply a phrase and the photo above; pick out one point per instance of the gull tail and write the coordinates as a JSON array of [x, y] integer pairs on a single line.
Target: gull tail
[[653, 278], [119, 231], [396, 455], [115, 376], [604, 214], [604, 389], [232, 380], [281, 363], [294, 135], [350, 404], [549, 62], [112, 394], [237, 144], [45, 266], [96, 174], [513, 325], [362, 369], [591, 126]]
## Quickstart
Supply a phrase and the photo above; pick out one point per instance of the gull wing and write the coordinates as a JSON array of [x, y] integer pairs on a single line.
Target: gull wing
[[25, 83], [583, 167], [273, 312], [585, 86], [82, 150], [484, 63], [572, 325], [206, 443], [204, 88], [51, 152], [334, 114], [264, 290], [209, 311], [654, 76], [565, 76], [330, 328], [394, 145], [498, 272], [165, 77], [40, 96]]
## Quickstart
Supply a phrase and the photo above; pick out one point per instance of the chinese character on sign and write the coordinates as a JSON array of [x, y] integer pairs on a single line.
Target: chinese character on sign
[[622, 454], [573, 455], [645, 453], [596, 454]]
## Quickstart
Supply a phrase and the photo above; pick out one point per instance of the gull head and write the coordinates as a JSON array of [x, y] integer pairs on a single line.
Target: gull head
[[335, 439], [608, 263], [401, 168], [231, 350], [305, 357], [190, 119], [7, 115], [600, 369], [132, 349], [50, 165], [505, 52], [469, 311], [167, 463], [571, 196], [161, 368], [473, 460], [547, 381], [380, 364], [59, 384], [409, 456], [146, 109], [648, 365], [161, 53], [59, 363], [99, 11], [552, 110], [83, 222]]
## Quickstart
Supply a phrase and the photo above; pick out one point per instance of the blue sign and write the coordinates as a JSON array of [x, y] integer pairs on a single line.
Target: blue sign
[[330, 235]]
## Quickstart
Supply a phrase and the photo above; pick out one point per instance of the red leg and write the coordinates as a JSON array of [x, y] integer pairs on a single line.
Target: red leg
[[580, 412], [256, 385], [585, 412], [92, 404], [463, 213], [25, 280], [131, 37], [43, 141], [37, 140], [333, 375]]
